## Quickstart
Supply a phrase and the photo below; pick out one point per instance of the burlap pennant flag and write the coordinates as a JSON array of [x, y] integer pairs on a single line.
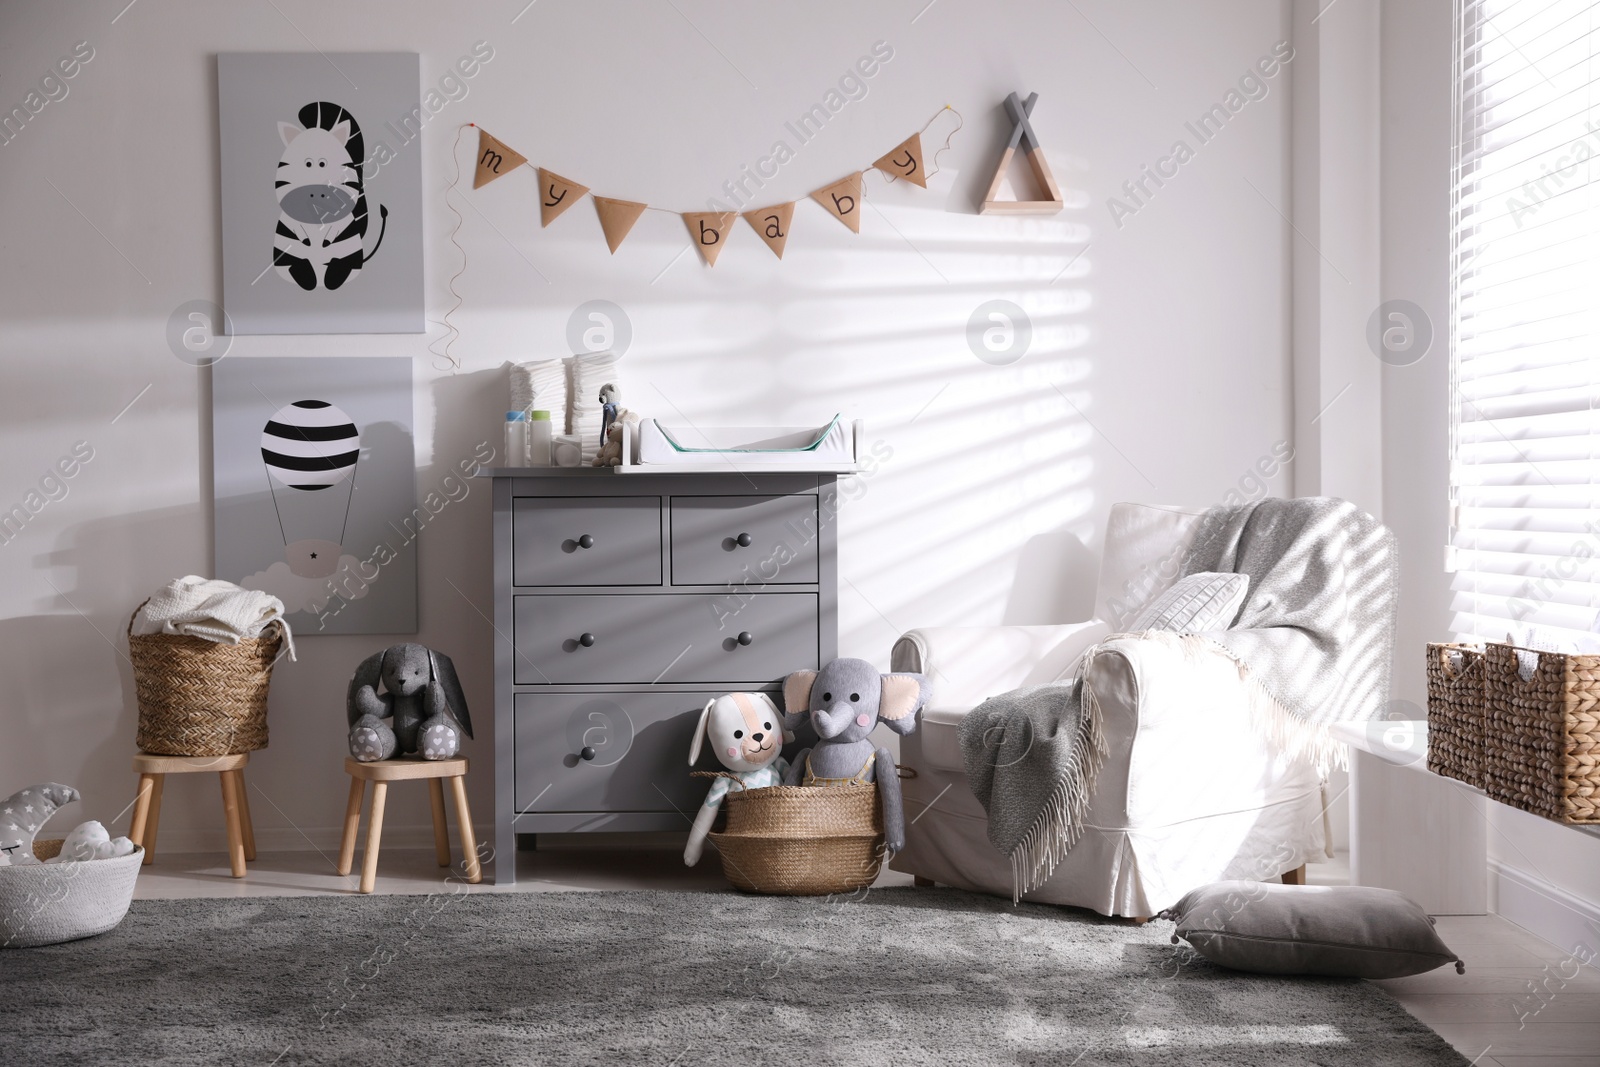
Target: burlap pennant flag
[[843, 200], [556, 194], [905, 161], [617, 218], [494, 159], [709, 231], [772, 224]]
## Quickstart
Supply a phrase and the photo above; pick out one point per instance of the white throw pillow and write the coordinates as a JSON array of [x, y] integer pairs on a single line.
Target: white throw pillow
[[1195, 604], [1144, 549]]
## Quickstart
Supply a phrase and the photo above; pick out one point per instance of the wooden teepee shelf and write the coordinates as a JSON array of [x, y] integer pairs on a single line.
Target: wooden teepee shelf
[[1022, 133]]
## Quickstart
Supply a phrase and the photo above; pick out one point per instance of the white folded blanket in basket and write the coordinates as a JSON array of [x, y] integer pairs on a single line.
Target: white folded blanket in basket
[[211, 609]]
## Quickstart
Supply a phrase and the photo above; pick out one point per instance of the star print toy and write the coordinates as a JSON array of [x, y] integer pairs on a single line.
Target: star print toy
[[21, 815]]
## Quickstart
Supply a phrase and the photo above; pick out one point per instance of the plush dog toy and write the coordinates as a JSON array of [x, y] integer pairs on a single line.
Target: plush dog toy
[[844, 702], [423, 698], [746, 732]]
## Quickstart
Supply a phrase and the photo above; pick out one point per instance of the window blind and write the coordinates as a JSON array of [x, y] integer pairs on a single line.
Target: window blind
[[1525, 284]]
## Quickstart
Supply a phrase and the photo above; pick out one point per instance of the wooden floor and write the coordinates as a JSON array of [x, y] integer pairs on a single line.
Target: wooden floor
[[1492, 1014], [1489, 1013]]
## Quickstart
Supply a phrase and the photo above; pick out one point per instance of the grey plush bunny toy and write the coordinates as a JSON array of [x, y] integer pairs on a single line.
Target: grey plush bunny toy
[[844, 702], [421, 694]]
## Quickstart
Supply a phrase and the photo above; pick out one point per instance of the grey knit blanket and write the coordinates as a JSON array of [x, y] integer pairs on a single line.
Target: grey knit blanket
[[1313, 640]]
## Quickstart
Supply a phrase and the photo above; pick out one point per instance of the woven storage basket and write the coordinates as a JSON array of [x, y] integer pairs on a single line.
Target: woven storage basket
[[48, 903], [1541, 737], [1455, 711], [199, 697], [802, 840]]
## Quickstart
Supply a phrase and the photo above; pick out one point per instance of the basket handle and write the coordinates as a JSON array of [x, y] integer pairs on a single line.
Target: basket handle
[[716, 774], [135, 615]]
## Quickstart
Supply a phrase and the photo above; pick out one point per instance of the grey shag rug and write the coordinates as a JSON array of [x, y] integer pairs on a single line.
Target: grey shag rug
[[897, 976]]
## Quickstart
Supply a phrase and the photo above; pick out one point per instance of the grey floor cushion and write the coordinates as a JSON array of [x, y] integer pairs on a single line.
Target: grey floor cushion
[[1340, 931]]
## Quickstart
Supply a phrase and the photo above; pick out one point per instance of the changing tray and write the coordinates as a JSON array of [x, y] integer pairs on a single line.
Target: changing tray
[[832, 447]]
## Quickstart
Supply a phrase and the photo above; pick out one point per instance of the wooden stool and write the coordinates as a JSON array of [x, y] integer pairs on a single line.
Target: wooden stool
[[380, 774], [153, 770]]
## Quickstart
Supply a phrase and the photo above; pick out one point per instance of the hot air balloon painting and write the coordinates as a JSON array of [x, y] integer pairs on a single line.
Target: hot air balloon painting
[[315, 488], [311, 446]]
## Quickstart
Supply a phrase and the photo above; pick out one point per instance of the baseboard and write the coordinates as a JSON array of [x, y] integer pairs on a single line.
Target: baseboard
[[1546, 911]]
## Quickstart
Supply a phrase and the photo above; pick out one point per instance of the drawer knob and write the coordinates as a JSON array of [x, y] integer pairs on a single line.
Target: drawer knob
[[745, 637], [585, 541], [586, 753], [743, 540], [586, 640]]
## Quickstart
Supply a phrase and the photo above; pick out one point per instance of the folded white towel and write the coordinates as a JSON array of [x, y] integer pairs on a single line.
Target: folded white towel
[[212, 609]]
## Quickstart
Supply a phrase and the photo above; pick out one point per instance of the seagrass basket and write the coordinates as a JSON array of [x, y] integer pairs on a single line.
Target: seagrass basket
[[44, 904], [802, 840], [1541, 737], [199, 697], [1456, 699]]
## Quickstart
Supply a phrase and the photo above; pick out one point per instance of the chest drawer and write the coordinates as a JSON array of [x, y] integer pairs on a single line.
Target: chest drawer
[[717, 540], [676, 637], [640, 744], [586, 540]]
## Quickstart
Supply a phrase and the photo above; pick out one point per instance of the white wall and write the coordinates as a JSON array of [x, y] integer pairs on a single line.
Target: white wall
[[1158, 369], [1564, 863]]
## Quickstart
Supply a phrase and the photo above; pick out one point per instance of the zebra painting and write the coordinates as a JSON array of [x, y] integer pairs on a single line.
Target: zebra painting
[[322, 205]]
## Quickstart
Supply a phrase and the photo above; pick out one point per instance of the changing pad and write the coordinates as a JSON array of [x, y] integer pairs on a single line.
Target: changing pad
[[768, 447]]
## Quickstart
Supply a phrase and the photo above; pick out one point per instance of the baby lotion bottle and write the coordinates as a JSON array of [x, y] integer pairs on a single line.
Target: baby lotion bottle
[[540, 436], [516, 439]]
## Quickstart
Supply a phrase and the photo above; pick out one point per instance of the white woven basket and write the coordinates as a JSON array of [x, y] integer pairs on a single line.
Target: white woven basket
[[48, 903]]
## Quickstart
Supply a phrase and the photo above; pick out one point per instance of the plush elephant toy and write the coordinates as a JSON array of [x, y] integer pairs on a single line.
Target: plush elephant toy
[[421, 694], [843, 703]]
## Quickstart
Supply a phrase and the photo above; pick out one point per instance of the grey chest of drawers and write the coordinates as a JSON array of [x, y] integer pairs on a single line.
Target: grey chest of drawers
[[623, 602]]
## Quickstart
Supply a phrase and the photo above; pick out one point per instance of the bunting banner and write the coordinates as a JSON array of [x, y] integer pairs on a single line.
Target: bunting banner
[[556, 194], [842, 200], [710, 231], [617, 218], [495, 159], [905, 161], [772, 224]]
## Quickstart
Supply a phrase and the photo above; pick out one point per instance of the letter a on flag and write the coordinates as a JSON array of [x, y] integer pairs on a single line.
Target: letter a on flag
[[556, 194], [843, 200], [772, 223], [494, 159], [709, 232], [905, 161]]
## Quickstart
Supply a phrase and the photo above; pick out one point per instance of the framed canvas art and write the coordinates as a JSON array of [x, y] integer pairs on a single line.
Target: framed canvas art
[[314, 486], [321, 192]]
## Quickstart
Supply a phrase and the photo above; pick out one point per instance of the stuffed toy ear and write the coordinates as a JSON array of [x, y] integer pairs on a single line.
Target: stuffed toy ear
[[700, 731], [797, 692], [288, 131], [443, 671], [778, 716], [369, 673], [903, 695]]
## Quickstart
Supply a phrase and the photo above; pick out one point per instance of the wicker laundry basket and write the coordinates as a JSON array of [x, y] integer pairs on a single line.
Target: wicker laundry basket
[[199, 697], [802, 840], [1456, 698], [1541, 737], [45, 904]]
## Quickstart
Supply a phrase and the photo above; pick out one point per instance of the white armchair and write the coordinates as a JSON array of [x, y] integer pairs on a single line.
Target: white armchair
[[1191, 791]]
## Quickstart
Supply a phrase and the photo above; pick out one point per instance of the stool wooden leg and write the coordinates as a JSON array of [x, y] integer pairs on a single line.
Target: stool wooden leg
[[441, 836], [921, 882], [469, 844], [153, 826], [245, 824], [230, 815], [141, 812], [352, 823], [369, 856], [1296, 876]]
